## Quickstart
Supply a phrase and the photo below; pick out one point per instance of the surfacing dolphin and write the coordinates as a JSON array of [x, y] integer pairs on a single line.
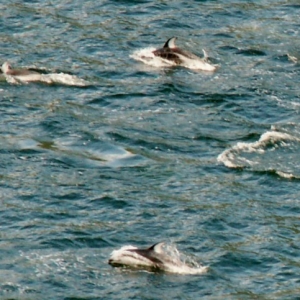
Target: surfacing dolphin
[[20, 74], [178, 56], [42, 76], [154, 258]]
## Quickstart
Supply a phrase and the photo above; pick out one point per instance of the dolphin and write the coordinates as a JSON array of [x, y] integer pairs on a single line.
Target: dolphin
[[128, 255], [20, 74], [178, 56], [154, 258]]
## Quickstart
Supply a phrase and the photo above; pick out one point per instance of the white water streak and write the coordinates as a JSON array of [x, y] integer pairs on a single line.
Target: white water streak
[[52, 78], [229, 156]]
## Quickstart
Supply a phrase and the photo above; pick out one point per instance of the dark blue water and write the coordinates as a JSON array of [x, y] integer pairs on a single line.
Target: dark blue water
[[208, 161]]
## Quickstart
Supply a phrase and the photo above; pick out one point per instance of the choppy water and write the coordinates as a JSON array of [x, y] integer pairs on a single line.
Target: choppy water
[[208, 161]]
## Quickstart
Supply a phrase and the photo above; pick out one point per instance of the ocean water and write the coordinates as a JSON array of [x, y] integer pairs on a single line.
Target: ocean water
[[208, 161]]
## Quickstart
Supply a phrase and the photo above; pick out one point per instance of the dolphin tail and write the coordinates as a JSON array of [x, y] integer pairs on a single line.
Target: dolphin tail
[[170, 43]]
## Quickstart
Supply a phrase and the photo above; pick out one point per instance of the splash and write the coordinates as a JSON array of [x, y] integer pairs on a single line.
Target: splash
[[270, 153], [146, 56], [197, 64]]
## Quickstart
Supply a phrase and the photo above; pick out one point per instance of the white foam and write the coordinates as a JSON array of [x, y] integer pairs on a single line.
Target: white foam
[[286, 175], [62, 78], [197, 64], [186, 270], [292, 58], [228, 157], [52, 78]]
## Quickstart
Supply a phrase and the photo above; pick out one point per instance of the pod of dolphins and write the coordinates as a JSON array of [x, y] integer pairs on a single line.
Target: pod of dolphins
[[153, 257], [168, 52]]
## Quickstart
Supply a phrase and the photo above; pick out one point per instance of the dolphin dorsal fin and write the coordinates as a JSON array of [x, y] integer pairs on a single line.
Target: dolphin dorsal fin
[[157, 247], [170, 43]]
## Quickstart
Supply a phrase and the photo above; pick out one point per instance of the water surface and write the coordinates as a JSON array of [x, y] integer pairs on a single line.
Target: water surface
[[208, 161]]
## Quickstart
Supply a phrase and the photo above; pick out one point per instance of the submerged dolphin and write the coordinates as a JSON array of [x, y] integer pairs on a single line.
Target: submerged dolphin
[[154, 257], [178, 56], [20, 74]]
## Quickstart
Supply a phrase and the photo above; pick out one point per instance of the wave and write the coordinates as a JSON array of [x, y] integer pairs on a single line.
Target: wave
[[274, 151]]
